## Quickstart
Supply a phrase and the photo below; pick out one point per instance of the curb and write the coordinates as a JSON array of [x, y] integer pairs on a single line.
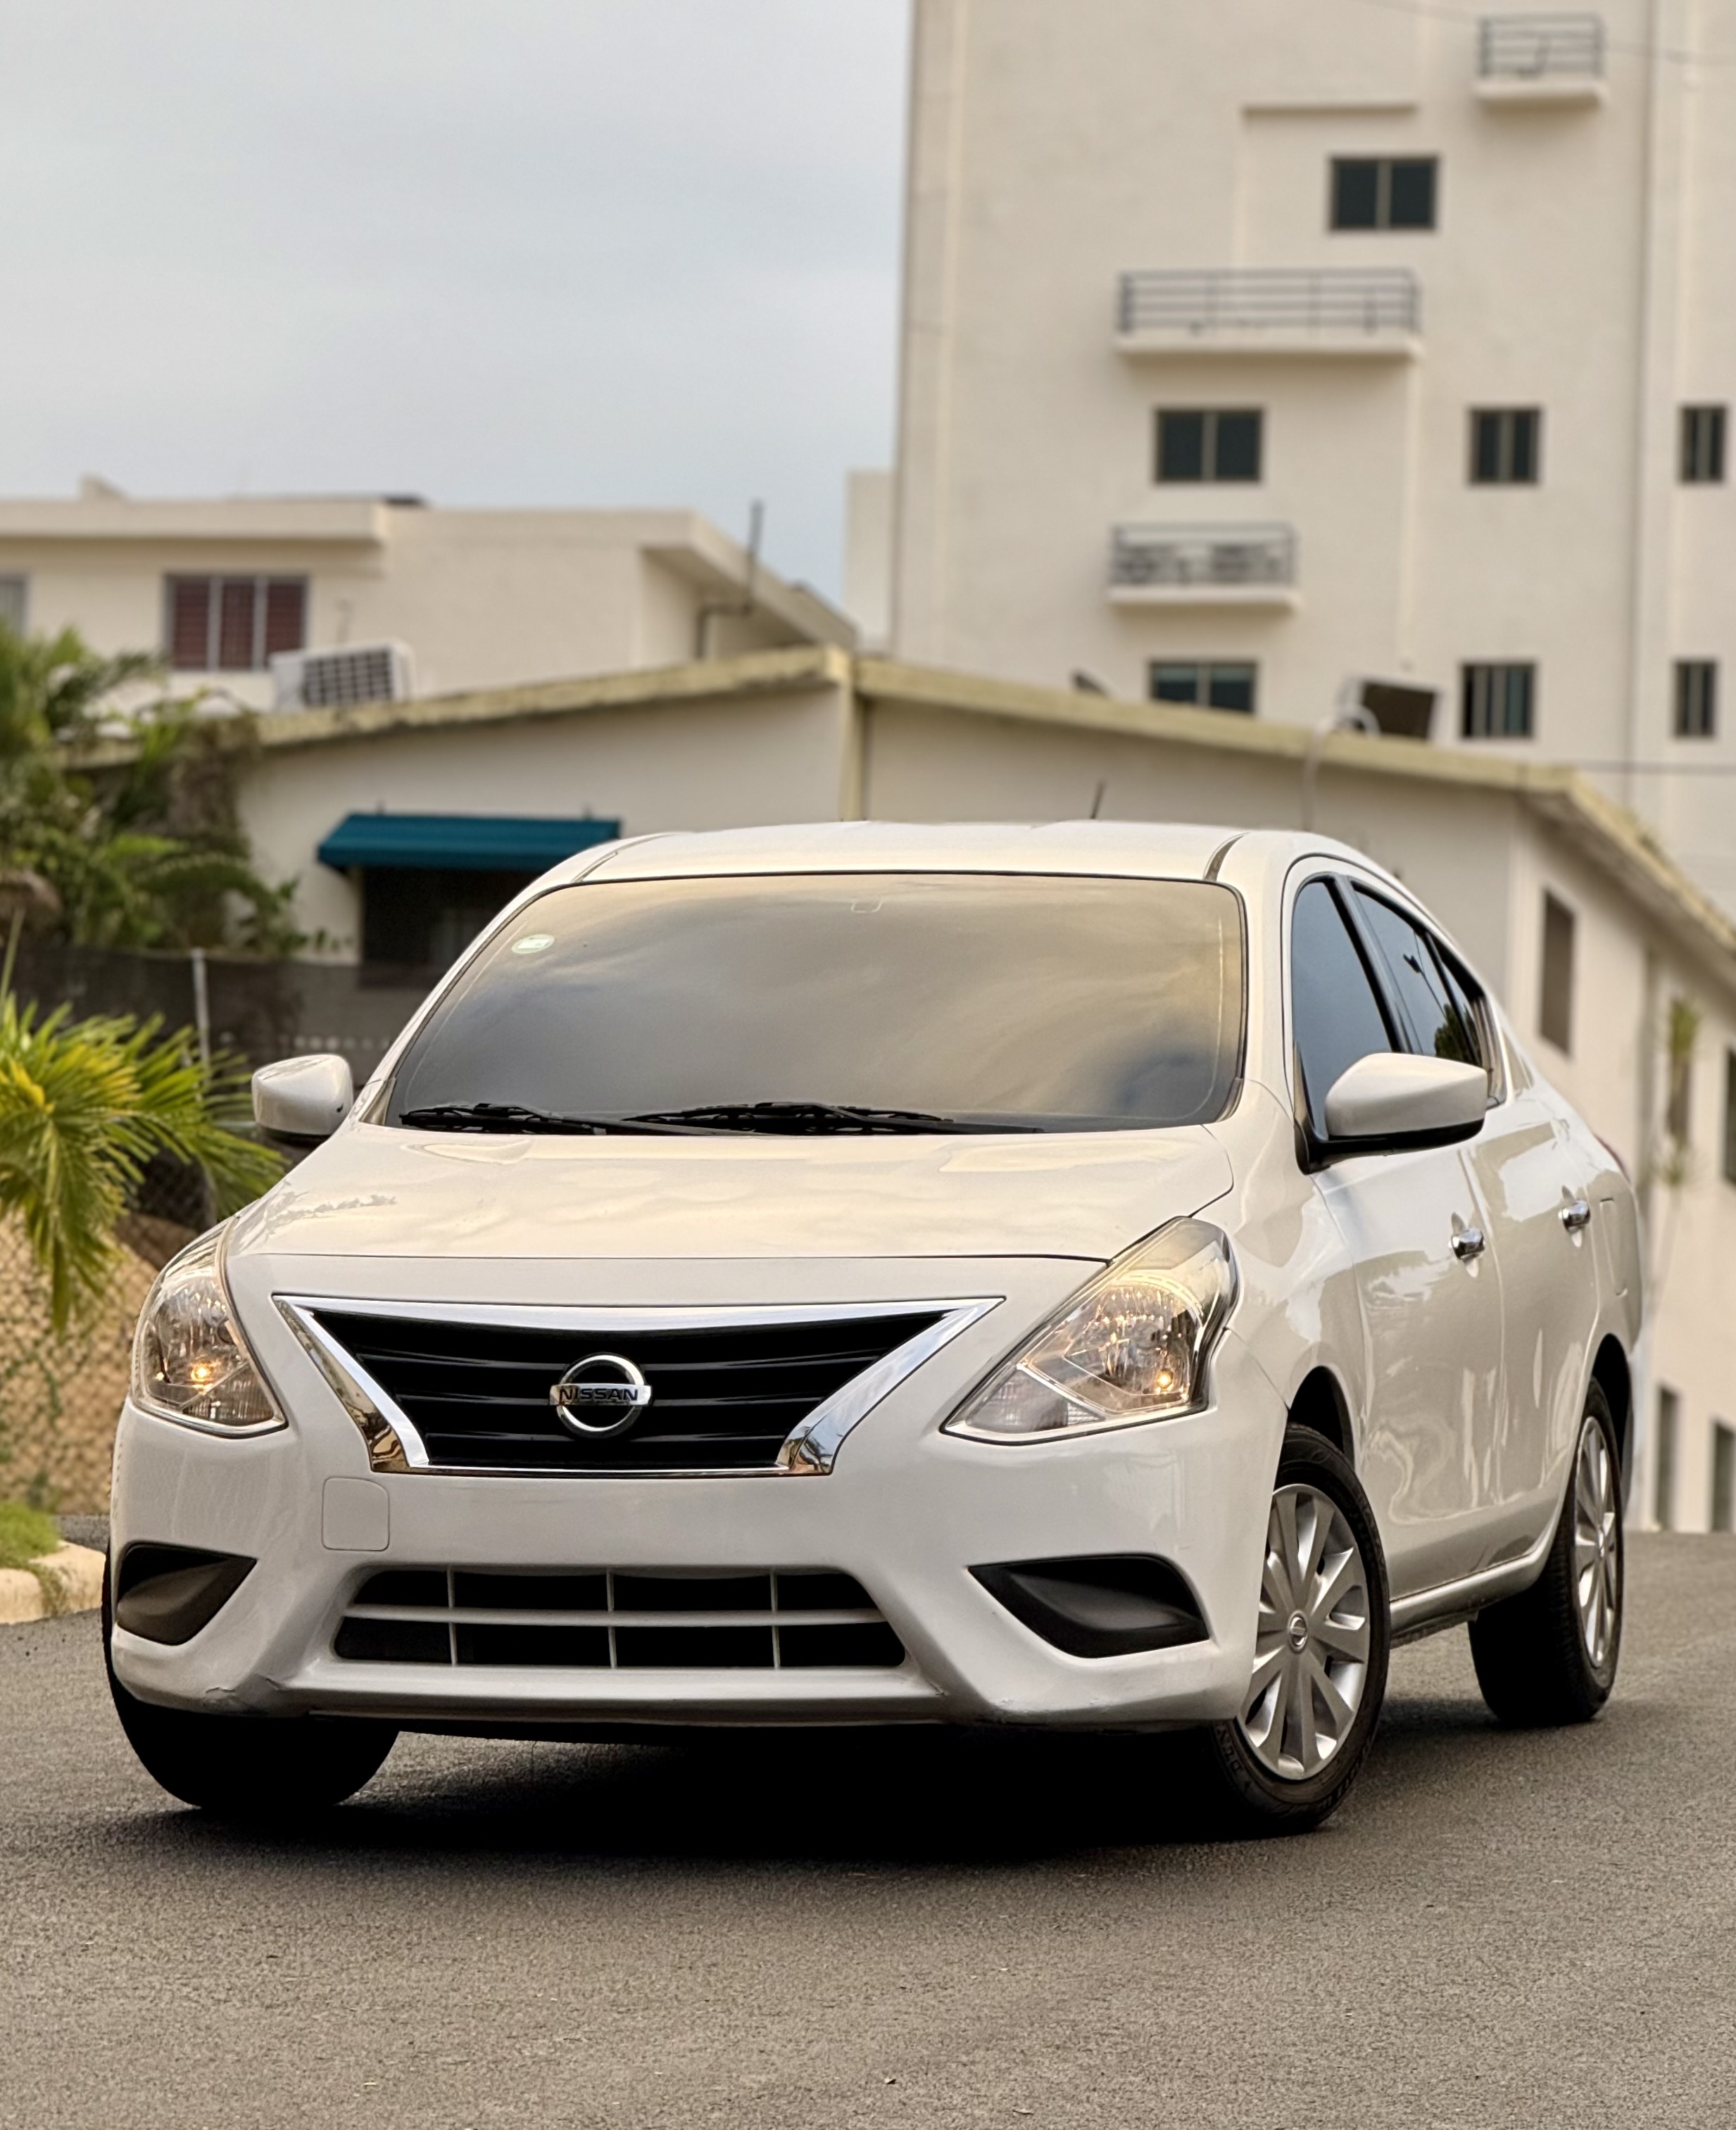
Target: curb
[[77, 1572]]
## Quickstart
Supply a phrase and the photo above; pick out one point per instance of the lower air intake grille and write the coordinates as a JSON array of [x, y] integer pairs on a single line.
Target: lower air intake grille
[[600, 1621], [723, 1397]]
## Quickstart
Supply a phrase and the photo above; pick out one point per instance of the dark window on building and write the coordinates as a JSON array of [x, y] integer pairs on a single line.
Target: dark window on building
[[1212, 687], [1663, 1460], [13, 591], [1702, 443], [1498, 702], [1335, 1010], [1209, 443], [417, 920], [1383, 192], [1696, 699], [1729, 1117], [234, 624], [1439, 1027], [1506, 446], [1555, 990], [1723, 1477]]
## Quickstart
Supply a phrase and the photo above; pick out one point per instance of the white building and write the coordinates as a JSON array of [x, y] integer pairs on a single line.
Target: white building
[[419, 600], [1620, 976], [1253, 346]]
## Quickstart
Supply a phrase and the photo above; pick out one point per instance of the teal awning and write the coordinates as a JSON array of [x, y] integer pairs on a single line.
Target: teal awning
[[460, 842]]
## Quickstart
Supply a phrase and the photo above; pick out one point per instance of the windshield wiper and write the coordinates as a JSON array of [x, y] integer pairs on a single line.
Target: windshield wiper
[[511, 1117], [816, 1118]]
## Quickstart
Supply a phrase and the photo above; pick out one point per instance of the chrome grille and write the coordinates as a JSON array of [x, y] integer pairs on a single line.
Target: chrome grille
[[725, 1395], [604, 1619]]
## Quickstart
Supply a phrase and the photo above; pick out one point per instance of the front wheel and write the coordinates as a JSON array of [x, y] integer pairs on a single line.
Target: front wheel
[[1548, 1656], [1289, 1760], [268, 1770]]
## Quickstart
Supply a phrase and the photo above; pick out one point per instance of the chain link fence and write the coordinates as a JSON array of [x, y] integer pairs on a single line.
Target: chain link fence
[[58, 1396]]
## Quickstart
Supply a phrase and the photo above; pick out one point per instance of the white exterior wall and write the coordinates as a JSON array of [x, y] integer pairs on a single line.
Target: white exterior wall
[[484, 598], [691, 764], [1580, 264]]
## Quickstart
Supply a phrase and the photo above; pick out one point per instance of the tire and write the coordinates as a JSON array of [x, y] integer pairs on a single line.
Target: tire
[[1549, 1655], [1288, 1760], [264, 1771]]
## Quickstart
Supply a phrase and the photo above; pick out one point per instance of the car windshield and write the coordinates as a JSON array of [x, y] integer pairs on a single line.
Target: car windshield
[[839, 1002]]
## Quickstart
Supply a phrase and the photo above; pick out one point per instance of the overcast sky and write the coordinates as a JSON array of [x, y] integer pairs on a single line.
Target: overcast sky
[[493, 251]]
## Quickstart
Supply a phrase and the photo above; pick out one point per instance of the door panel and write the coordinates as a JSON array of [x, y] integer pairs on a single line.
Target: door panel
[[1432, 1327], [1430, 1319], [1527, 1169]]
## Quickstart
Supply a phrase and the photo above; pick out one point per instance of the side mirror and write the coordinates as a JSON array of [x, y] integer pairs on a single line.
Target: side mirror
[[1394, 1098], [303, 1098]]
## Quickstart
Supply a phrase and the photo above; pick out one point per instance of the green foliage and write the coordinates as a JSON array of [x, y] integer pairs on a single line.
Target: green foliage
[[25, 1535], [83, 1106], [135, 847]]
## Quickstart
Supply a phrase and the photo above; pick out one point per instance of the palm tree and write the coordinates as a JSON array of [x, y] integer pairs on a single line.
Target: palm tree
[[83, 1106], [144, 848]]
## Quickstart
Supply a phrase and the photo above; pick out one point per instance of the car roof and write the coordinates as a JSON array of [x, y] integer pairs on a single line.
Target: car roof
[[1251, 858], [1153, 849]]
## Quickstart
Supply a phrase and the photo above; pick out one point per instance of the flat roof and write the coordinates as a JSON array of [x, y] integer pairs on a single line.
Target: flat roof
[[1605, 832]]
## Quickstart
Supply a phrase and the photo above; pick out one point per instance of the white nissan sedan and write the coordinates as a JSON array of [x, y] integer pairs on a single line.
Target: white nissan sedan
[[1093, 1276]]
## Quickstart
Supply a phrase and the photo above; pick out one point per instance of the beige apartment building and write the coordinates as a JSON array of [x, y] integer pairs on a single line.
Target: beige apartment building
[[308, 600], [1256, 350]]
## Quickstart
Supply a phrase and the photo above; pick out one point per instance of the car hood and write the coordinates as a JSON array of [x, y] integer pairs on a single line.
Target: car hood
[[372, 1192]]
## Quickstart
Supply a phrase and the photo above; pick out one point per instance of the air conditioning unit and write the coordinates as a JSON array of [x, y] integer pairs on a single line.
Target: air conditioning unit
[[333, 679]]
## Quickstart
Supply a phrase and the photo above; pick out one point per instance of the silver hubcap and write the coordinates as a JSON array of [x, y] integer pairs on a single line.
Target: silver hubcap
[[1597, 1556], [1311, 1657]]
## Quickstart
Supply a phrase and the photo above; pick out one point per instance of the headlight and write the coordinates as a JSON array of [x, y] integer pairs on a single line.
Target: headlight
[[189, 1361], [1131, 1346]]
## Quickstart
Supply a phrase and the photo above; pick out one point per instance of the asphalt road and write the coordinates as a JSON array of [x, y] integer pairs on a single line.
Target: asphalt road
[[930, 1929]]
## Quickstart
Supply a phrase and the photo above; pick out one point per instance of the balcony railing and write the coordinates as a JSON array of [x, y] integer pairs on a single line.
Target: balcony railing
[[1158, 560], [1287, 303], [1540, 48]]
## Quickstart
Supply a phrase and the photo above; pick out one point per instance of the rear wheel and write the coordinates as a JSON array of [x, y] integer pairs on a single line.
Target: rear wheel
[[1549, 1655], [1288, 1759], [265, 1770]]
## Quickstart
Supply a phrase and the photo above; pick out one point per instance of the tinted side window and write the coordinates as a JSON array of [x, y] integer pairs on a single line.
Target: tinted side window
[[1334, 1008], [1437, 1027]]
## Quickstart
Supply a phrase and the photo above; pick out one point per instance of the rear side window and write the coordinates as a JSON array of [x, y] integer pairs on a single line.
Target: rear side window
[[1334, 1007], [1440, 1024]]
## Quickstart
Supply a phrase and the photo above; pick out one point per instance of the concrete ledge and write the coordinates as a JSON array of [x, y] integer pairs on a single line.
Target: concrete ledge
[[76, 1572]]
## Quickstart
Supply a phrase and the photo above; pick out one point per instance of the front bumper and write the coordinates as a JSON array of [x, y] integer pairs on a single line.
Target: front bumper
[[907, 1512]]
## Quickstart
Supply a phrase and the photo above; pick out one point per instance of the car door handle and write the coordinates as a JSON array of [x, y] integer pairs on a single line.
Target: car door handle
[[1468, 1243], [1575, 1216]]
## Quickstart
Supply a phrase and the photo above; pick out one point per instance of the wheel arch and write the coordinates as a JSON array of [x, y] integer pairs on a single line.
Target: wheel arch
[[1610, 1372], [1320, 1404]]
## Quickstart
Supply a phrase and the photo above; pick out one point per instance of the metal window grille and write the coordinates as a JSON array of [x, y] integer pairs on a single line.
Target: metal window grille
[[1332, 300], [1200, 555], [1696, 699], [1541, 47], [1702, 444]]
